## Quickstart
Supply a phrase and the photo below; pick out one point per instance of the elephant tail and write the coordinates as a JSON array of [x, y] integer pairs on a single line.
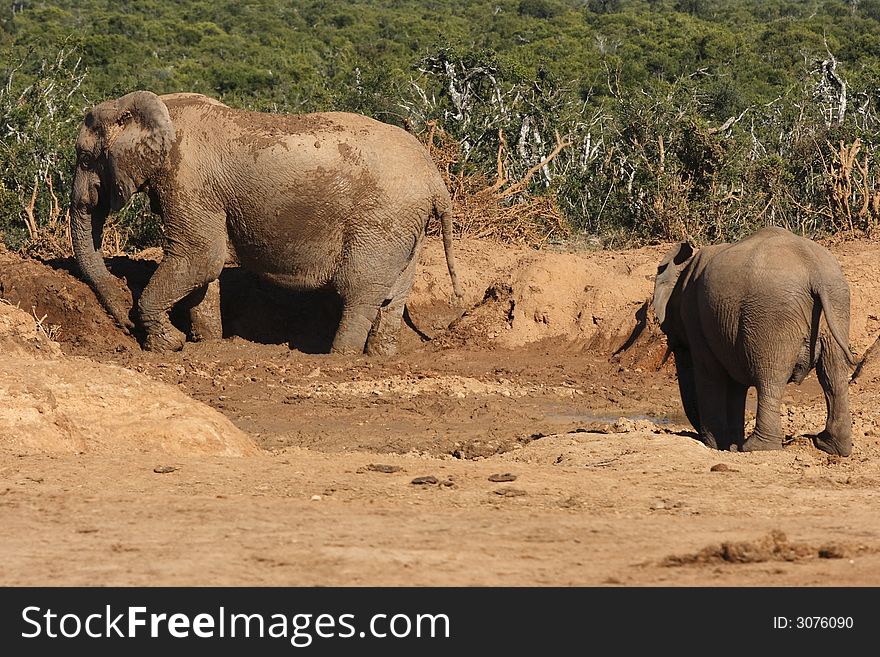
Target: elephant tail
[[831, 320], [444, 213]]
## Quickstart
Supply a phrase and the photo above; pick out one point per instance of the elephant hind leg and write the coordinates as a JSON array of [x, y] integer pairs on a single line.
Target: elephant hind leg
[[768, 423], [354, 327], [736, 415], [384, 335], [373, 300], [833, 375], [360, 313], [204, 313]]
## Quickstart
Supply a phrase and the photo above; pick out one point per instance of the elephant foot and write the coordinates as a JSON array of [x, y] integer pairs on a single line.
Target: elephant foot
[[169, 340], [382, 350], [346, 350], [757, 443], [828, 444], [709, 441], [124, 323], [381, 344]]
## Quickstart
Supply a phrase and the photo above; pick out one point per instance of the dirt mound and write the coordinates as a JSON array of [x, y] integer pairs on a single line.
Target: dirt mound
[[23, 335], [773, 547], [52, 404], [860, 262], [65, 304], [518, 296]]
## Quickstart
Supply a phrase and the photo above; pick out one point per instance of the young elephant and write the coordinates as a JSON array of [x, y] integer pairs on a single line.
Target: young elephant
[[760, 312]]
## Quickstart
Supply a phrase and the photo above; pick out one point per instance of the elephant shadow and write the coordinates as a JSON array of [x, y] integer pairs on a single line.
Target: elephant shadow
[[258, 311], [250, 308]]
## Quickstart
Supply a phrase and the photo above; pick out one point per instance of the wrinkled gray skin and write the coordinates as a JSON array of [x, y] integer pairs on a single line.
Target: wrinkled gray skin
[[760, 312], [306, 201]]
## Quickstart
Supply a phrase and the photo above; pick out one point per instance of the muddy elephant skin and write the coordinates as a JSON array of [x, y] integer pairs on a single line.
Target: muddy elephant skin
[[306, 201]]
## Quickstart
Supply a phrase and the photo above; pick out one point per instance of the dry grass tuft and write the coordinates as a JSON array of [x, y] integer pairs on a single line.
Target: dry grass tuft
[[502, 209]]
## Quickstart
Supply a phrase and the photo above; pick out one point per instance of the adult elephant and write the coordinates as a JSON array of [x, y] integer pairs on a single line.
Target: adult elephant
[[760, 312], [308, 200]]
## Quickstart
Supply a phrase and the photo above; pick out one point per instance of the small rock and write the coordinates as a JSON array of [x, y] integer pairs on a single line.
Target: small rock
[[510, 492], [624, 425], [165, 469], [502, 477], [658, 506], [832, 552], [720, 467], [316, 498], [427, 479]]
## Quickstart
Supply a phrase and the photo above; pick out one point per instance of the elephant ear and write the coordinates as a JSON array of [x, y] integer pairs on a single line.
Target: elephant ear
[[668, 272], [138, 140]]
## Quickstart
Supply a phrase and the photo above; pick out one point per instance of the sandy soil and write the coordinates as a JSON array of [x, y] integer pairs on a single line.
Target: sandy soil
[[534, 439]]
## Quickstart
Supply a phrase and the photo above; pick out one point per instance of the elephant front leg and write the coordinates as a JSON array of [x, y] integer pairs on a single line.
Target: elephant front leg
[[720, 401], [175, 278], [712, 407], [687, 387], [768, 423], [833, 375]]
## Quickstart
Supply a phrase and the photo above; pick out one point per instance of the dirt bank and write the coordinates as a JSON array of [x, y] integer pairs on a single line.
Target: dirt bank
[[554, 446]]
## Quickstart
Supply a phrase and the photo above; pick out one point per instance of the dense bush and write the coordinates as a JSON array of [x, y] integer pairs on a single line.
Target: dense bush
[[628, 121], [38, 105]]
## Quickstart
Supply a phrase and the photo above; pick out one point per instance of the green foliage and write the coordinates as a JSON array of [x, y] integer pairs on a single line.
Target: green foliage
[[40, 106], [682, 118], [541, 8]]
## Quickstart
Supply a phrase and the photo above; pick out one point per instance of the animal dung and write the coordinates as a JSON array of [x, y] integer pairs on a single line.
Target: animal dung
[[510, 492], [386, 469]]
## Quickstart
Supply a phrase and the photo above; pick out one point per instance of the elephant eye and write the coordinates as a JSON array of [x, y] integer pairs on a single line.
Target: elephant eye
[[86, 159]]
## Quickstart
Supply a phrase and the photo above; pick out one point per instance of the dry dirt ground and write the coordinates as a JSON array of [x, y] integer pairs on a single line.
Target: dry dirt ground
[[534, 439]]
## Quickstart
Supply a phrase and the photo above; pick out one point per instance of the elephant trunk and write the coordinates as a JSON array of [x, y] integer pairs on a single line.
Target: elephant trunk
[[87, 226]]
